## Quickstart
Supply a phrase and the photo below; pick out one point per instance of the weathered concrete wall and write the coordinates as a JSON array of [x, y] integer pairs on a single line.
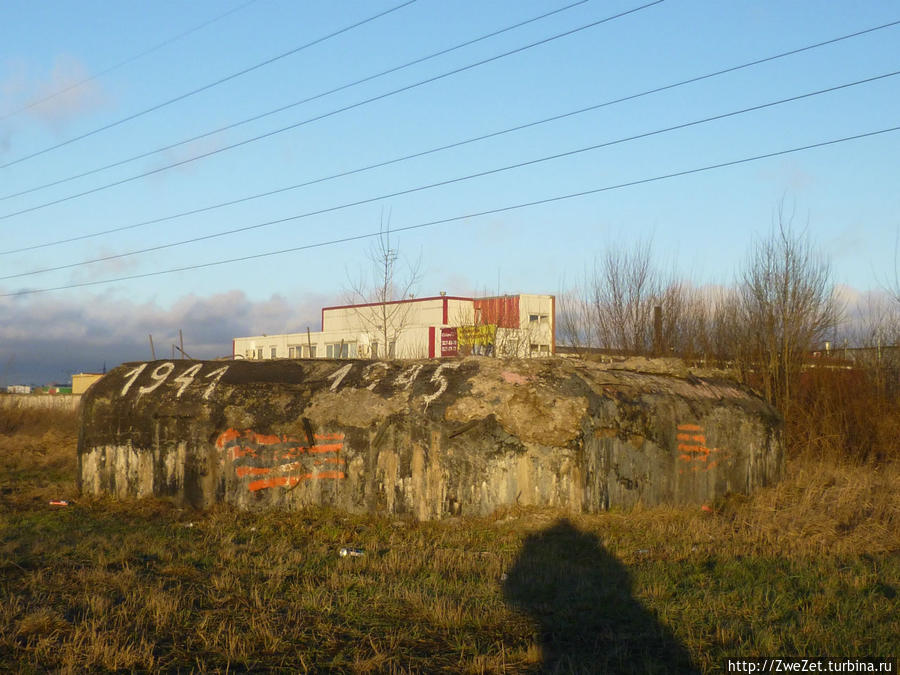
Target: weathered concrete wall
[[424, 438], [41, 401]]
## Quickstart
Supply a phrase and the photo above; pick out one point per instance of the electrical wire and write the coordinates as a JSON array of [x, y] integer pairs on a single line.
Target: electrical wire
[[448, 146], [443, 221], [126, 61], [205, 87], [281, 109], [450, 181], [351, 106]]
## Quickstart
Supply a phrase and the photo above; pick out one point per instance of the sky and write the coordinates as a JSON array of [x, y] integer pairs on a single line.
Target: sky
[[155, 128]]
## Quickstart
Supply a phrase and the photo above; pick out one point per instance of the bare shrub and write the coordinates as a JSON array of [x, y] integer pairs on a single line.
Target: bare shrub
[[787, 307], [624, 303]]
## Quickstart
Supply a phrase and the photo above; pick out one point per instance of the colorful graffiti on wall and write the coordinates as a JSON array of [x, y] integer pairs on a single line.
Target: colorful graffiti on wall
[[468, 336], [692, 449], [269, 460]]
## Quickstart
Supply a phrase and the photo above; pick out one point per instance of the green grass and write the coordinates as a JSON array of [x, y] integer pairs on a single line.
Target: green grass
[[808, 568]]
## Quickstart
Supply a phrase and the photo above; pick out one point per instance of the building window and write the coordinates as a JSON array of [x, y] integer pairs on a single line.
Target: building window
[[248, 353], [375, 350], [533, 318], [392, 349], [273, 351], [341, 350], [309, 351]]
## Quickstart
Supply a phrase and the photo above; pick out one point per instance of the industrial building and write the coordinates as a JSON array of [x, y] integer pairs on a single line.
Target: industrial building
[[504, 326]]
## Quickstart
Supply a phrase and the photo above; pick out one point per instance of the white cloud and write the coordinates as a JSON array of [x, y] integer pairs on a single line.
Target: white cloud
[[46, 338], [65, 92]]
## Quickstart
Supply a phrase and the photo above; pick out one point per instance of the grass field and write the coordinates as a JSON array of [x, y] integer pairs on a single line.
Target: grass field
[[810, 567]]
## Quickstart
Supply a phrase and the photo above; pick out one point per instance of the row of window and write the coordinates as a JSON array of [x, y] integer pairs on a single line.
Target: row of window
[[350, 350], [333, 350]]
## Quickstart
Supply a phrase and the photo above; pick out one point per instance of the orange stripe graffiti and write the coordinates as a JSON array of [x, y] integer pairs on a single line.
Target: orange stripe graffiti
[[256, 456], [291, 481], [693, 450]]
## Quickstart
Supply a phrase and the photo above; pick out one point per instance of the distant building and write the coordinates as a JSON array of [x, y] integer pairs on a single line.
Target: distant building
[[18, 389], [81, 381], [504, 326]]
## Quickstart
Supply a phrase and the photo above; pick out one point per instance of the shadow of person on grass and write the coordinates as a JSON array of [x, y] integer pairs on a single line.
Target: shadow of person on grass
[[580, 597]]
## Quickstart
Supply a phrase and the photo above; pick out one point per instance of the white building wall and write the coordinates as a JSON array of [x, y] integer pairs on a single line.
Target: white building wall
[[537, 319], [416, 312], [350, 332]]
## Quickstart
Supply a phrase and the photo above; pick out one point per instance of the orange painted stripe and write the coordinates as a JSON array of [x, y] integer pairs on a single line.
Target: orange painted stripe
[[689, 427], [267, 439], [240, 451], [683, 437], [242, 471], [226, 436], [280, 481], [686, 458], [697, 449], [333, 447], [284, 481], [699, 438]]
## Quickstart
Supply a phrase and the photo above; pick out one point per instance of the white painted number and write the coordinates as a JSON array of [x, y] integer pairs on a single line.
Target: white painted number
[[186, 378], [440, 380], [159, 375], [339, 375], [216, 375], [406, 378], [132, 375], [372, 375], [369, 374]]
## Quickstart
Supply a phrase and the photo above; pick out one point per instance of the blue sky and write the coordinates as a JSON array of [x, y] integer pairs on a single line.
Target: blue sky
[[845, 194]]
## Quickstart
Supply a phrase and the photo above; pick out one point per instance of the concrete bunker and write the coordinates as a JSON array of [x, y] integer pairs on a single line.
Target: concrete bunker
[[425, 439]]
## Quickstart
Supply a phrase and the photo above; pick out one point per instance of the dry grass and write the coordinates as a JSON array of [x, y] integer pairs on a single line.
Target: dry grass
[[810, 566]]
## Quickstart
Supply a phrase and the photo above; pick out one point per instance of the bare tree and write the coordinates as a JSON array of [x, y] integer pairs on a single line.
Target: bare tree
[[389, 280], [574, 323], [625, 303], [787, 306]]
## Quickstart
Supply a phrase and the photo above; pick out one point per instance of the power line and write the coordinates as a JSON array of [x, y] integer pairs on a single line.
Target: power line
[[450, 181], [351, 106], [216, 83], [448, 146], [275, 111], [126, 61], [444, 221]]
